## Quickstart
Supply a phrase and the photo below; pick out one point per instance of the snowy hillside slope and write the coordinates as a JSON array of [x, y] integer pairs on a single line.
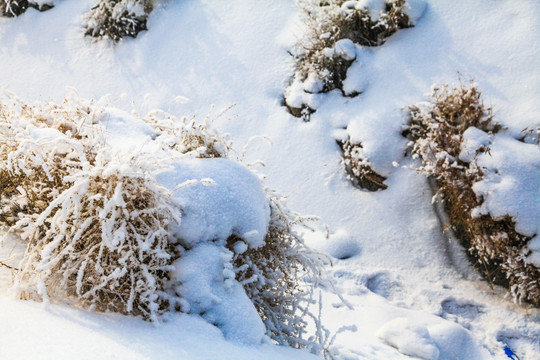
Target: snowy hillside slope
[[407, 291]]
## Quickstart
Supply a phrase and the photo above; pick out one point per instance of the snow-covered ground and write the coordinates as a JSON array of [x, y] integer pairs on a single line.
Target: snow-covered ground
[[405, 288]]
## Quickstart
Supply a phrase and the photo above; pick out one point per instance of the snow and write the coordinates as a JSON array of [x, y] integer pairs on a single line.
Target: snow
[[72, 333], [208, 285], [234, 203], [391, 262], [346, 49], [415, 9], [409, 339], [511, 183], [374, 7], [357, 81], [474, 140]]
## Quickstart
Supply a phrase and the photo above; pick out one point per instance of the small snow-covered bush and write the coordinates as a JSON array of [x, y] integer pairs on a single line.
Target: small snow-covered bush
[[454, 135], [336, 26], [335, 31], [12, 8], [359, 169], [116, 19], [143, 215]]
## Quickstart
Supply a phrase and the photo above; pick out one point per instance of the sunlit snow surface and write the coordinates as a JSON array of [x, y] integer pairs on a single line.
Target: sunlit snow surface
[[390, 262]]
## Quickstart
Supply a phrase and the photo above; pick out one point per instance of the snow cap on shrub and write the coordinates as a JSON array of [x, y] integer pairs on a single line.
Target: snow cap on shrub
[[143, 215]]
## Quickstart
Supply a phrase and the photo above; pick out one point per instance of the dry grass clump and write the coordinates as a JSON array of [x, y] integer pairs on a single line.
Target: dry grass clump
[[437, 130], [100, 231], [359, 169], [13, 8], [34, 168], [328, 22], [280, 278], [95, 222], [104, 245], [116, 19]]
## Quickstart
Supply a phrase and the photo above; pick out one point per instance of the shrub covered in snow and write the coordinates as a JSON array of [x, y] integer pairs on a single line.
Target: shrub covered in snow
[[336, 29], [12, 8], [143, 215], [336, 26], [33, 168], [116, 19], [454, 135]]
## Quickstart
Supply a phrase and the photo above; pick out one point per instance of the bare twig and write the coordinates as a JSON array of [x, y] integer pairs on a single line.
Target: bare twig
[[9, 267]]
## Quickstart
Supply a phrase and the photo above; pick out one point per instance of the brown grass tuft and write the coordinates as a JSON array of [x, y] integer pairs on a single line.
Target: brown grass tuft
[[103, 245], [359, 169], [437, 129], [329, 22]]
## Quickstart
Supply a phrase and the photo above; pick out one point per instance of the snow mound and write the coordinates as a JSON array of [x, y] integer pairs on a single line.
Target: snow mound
[[231, 202], [441, 340]]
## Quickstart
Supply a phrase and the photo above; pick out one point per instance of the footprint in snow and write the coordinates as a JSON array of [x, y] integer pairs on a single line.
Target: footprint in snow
[[342, 246], [383, 284], [460, 311]]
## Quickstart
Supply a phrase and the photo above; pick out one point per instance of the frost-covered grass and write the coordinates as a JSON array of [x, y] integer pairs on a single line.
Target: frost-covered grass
[[460, 146], [153, 221]]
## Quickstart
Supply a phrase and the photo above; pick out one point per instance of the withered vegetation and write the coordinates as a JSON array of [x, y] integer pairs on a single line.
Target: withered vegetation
[[103, 254], [329, 22], [117, 19], [13, 8], [437, 129], [98, 225], [359, 169], [274, 277]]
